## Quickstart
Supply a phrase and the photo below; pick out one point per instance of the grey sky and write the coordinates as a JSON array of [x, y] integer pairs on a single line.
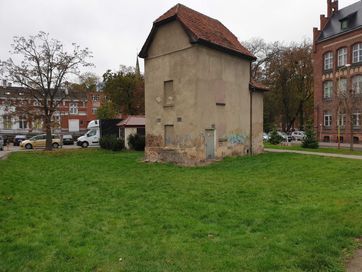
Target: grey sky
[[115, 29]]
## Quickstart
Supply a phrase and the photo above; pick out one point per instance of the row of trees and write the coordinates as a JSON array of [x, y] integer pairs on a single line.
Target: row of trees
[[288, 71]]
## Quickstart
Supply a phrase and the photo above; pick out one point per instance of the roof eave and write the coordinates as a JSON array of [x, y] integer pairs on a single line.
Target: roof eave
[[337, 35], [225, 49]]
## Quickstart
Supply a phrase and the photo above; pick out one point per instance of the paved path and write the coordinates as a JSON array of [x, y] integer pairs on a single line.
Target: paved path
[[354, 157]]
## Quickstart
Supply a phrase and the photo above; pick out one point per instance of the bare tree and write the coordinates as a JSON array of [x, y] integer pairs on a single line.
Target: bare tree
[[264, 52], [43, 70], [347, 103]]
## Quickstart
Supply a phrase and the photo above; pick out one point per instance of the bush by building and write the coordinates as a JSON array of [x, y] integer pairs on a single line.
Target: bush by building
[[136, 142], [111, 143]]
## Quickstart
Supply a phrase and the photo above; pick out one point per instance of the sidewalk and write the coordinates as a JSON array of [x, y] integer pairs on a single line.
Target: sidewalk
[[354, 157], [344, 146]]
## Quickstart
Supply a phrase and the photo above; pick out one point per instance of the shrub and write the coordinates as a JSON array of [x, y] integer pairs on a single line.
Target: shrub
[[111, 142], [136, 142], [275, 138], [310, 140]]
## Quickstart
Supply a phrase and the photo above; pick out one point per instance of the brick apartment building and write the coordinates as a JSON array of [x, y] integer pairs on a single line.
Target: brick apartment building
[[337, 60], [73, 115]]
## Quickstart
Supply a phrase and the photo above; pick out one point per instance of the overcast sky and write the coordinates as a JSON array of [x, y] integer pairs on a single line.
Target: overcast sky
[[115, 29]]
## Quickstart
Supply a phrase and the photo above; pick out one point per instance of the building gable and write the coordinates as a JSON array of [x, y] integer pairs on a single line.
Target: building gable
[[200, 29], [169, 38]]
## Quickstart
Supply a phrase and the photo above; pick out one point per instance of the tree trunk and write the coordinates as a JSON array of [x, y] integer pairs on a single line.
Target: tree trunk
[[351, 135], [48, 131]]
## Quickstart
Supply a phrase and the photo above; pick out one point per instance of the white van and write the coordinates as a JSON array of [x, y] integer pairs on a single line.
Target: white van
[[91, 138]]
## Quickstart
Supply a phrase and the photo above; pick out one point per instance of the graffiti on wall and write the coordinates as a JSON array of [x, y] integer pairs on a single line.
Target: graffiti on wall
[[235, 139]]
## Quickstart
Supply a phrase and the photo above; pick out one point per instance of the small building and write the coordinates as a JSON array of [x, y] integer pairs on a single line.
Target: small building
[[337, 61], [200, 103], [130, 126]]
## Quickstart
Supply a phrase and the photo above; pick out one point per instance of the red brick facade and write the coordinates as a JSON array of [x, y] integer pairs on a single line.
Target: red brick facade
[[78, 111], [324, 105]]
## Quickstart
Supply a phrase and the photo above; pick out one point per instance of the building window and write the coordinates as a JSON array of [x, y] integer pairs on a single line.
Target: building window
[[356, 119], [341, 122], [327, 119], [95, 97], [169, 135], [344, 24], [328, 61], [169, 94], [7, 122], [94, 110], [357, 53], [22, 122], [342, 86], [357, 84], [342, 57], [38, 124], [327, 89], [73, 108]]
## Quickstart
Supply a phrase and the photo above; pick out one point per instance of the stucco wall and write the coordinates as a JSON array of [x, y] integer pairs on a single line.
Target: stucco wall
[[127, 132], [211, 92], [258, 104]]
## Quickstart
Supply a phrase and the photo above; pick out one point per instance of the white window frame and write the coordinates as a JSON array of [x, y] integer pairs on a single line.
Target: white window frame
[[327, 119], [357, 53], [328, 61], [356, 119], [23, 123], [341, 122], [73, 108], [342, 56], [357, 84], [327, 89], [7, 122]]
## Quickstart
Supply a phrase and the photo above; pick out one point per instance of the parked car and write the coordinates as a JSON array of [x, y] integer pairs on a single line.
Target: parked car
[[39, 141], [1, 143], [298, 135], [68, 140], [286, 137], [18, 139], [266, 137]]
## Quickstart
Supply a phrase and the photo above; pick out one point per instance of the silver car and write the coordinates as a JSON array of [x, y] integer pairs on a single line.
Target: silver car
[[1, 143]]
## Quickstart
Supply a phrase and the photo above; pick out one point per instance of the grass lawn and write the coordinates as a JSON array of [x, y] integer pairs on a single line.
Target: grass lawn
[[84, 210], [320, 149]]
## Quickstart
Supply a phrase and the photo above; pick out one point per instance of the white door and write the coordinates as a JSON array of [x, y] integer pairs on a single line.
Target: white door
[[73, 125]]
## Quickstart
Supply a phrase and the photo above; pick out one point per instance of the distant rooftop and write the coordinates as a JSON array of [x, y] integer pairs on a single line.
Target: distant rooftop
[[343, 21]]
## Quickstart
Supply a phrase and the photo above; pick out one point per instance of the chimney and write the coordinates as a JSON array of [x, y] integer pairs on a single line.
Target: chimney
[[332, 7], [324, 21]]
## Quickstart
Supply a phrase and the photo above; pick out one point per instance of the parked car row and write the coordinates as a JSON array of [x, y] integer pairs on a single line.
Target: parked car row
[[294, 136], [37, 141]]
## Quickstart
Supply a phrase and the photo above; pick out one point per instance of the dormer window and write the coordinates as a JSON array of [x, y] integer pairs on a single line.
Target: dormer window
[[344, 24]]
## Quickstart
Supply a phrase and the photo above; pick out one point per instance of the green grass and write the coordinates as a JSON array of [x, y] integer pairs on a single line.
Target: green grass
[[320, 149], [84, 210]]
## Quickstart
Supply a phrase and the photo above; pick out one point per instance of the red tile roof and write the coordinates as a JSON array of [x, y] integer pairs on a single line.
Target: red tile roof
[[257, 86], [133, 121], [200, 29]]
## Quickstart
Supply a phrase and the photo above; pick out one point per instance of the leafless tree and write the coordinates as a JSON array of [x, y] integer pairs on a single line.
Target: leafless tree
[[347, 102], [43, 69]]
